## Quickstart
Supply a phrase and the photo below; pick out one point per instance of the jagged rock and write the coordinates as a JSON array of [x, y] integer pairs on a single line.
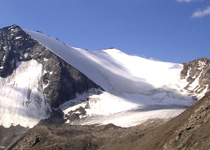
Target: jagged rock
[[75, 114], [197, 70]]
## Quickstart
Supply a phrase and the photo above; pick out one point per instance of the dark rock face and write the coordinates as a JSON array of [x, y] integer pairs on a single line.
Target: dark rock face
[[12, 48], [60, 81], [198, 69]]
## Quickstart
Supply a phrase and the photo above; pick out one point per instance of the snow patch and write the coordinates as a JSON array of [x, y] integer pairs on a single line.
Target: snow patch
[[126, 110], [21, 98], [18, 37], [188, 73], [133, 117], [45, 59], [201, 65], [26, 55]]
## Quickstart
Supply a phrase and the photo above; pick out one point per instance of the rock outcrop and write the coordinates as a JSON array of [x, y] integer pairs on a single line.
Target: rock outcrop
[[197, 73]]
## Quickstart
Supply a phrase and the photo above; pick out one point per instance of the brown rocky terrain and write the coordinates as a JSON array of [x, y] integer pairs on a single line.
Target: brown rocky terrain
[[82, 137]]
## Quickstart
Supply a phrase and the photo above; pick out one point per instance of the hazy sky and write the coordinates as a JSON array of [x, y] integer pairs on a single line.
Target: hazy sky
[[167, 30]]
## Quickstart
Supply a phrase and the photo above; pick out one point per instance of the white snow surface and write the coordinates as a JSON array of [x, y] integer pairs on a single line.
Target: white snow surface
[[132, 117], [21, 98], [115, 71], [130, 83]]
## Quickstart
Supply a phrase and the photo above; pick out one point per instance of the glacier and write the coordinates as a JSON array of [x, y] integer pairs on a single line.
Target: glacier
[[135, 89]]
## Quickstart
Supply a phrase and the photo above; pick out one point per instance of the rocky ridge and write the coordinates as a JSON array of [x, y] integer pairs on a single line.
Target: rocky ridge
[[197, 73]]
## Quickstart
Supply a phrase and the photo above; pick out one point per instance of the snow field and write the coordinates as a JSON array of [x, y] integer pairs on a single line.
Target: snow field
[[130, 83]]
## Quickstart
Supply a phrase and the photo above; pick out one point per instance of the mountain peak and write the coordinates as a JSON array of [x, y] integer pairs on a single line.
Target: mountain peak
[[31, 77], [11, 27]]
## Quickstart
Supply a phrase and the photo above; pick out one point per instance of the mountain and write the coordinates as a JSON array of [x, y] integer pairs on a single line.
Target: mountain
[[131, 84], [42, 78]]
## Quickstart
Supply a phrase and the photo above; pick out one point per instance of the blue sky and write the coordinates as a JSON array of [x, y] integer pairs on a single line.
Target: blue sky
[[167, 30]]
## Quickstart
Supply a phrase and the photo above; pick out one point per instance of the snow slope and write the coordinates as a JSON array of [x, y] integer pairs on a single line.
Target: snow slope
[[114, 70], [130, 82], [21, 98]]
